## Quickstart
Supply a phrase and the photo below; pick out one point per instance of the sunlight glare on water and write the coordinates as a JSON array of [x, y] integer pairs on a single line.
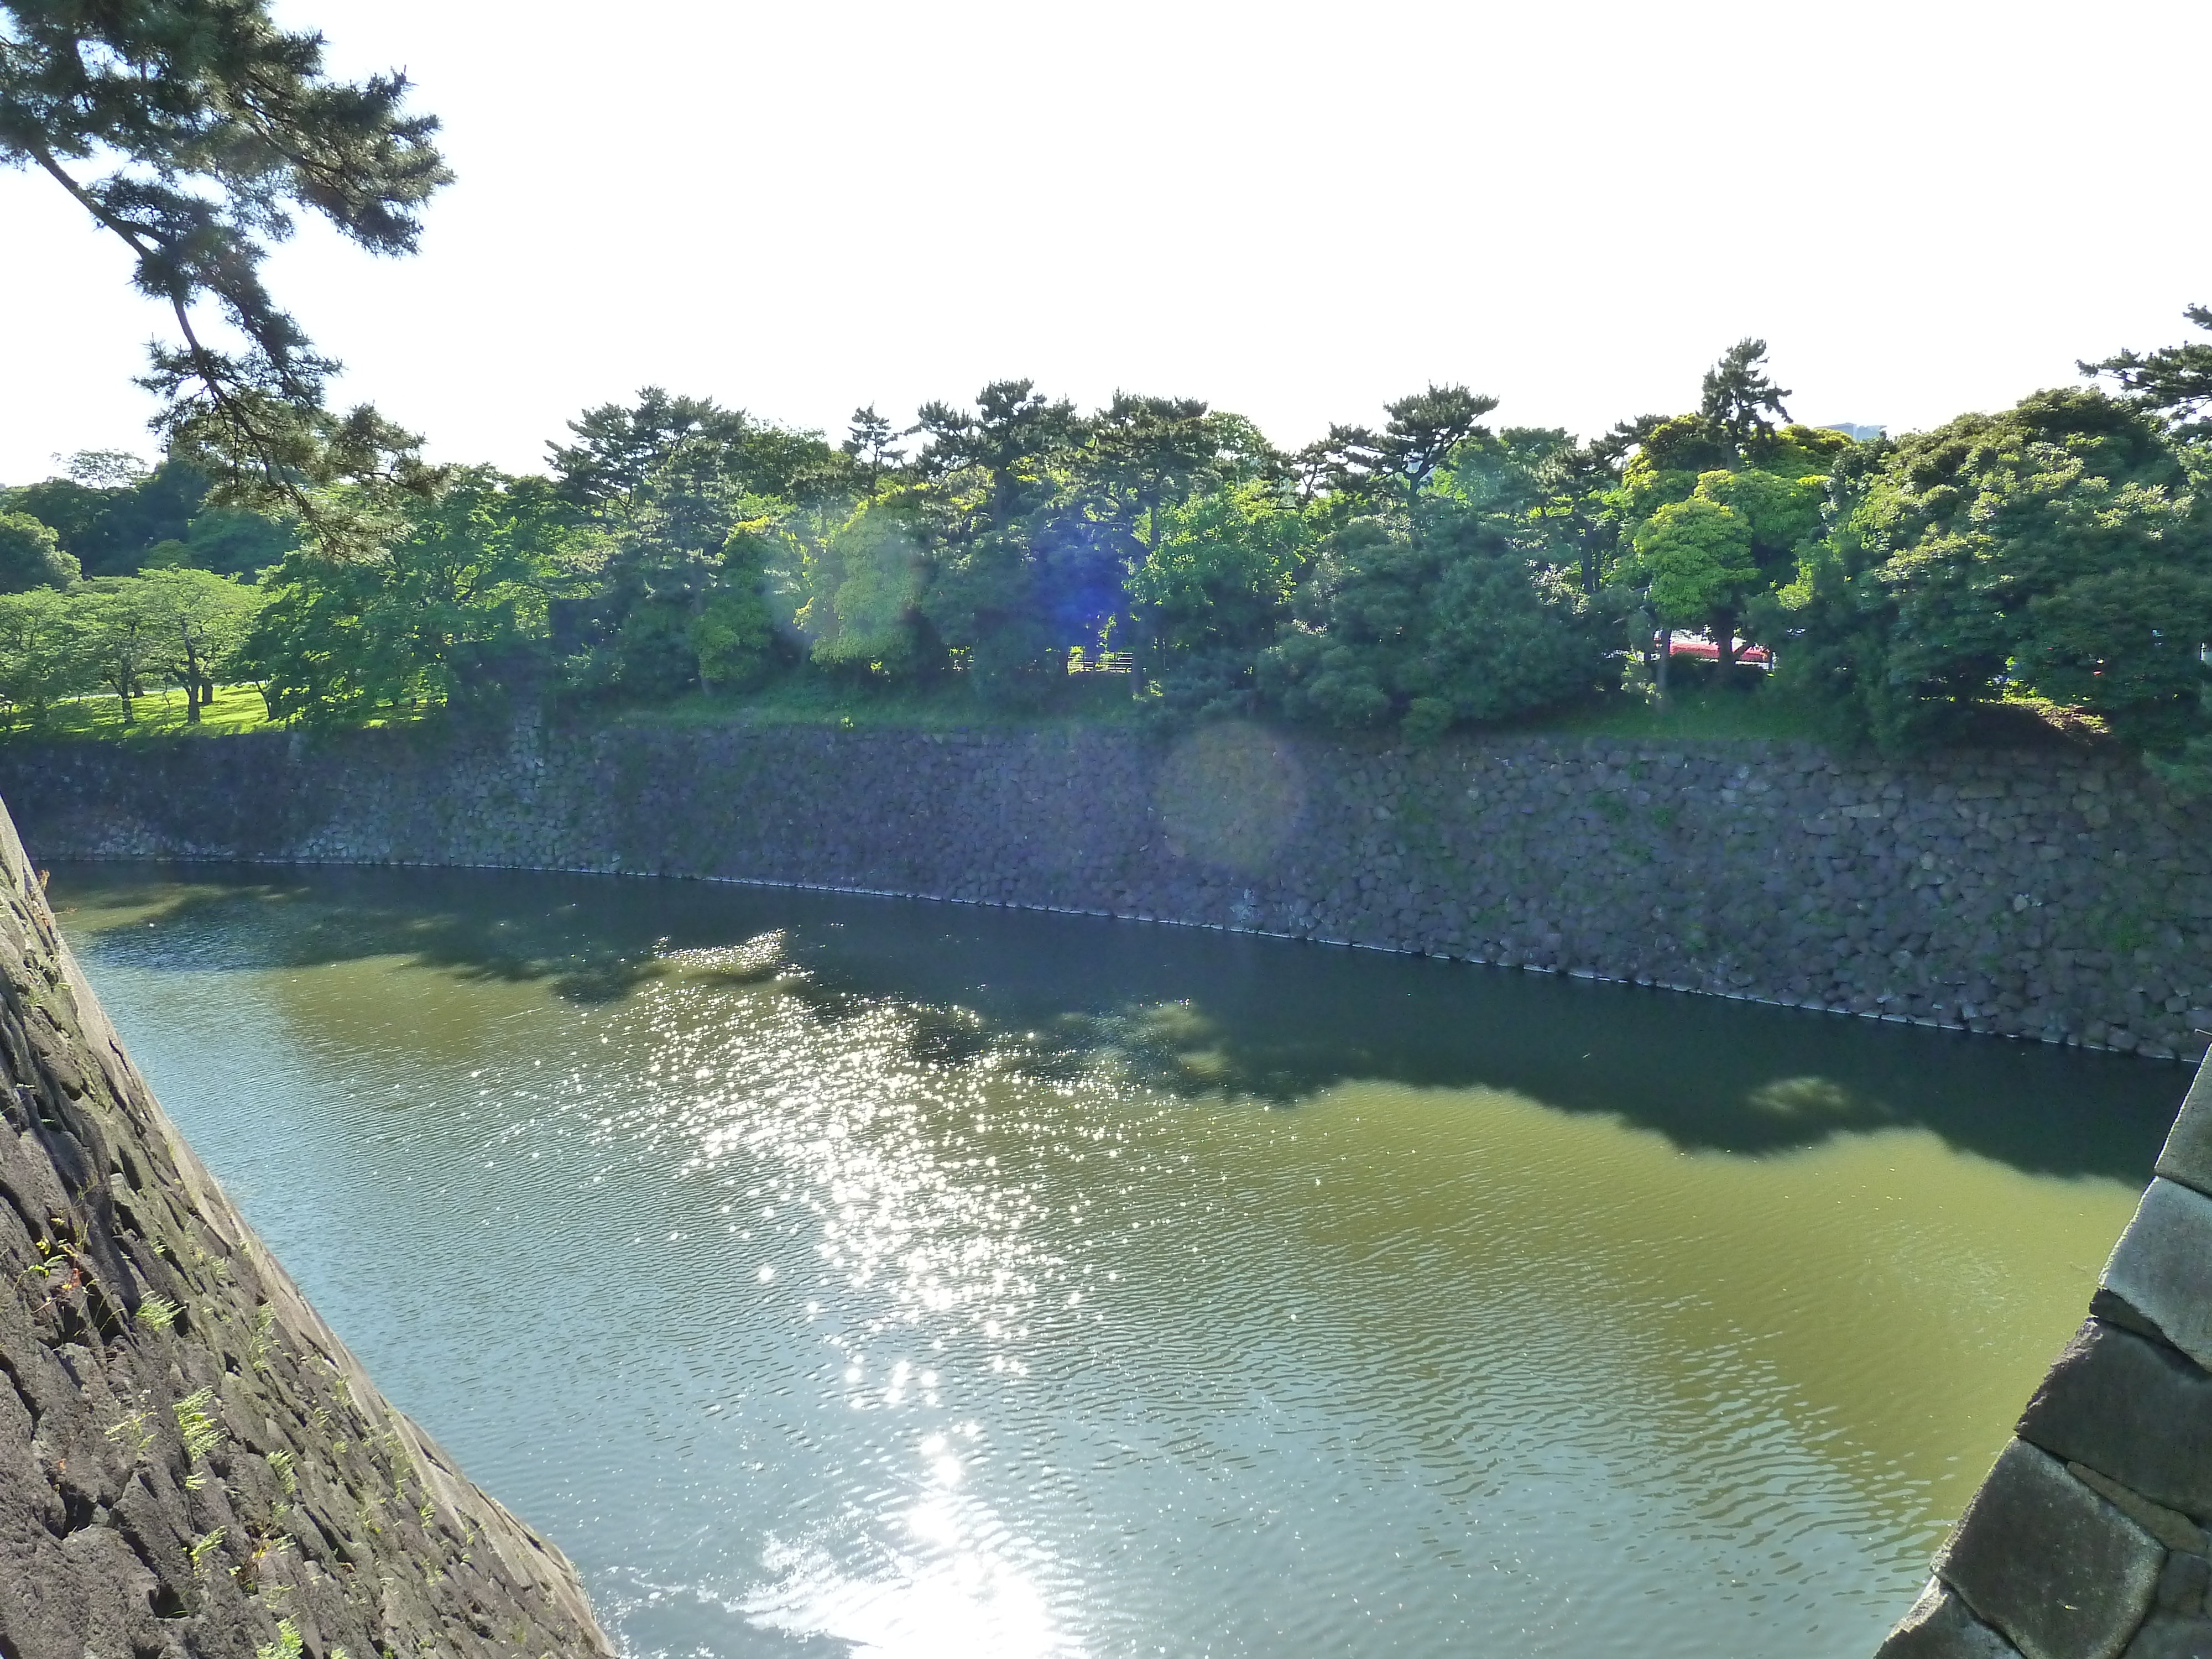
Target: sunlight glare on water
[[837, 1276]]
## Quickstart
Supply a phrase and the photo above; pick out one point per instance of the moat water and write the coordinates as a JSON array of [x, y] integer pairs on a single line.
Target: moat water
[[853, 1276]]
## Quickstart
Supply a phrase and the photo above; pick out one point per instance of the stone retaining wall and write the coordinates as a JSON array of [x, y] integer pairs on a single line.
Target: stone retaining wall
[[2060, 894], [188, 1456], [2056, 894]]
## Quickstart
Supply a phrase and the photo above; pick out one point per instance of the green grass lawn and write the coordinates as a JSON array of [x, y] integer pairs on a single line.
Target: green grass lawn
[[806, 699], [235, 708], [1703, 712], [1693, 712]]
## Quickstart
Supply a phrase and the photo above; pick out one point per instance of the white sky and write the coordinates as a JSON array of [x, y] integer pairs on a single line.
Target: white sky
[[1296, 211]]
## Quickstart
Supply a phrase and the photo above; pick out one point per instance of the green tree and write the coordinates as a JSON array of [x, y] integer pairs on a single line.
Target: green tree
[[1429, 622], [122, 638], [31, 555], [986, 479], [2173, 382], [1566, 499], [455, 608], [114, 517], [665, 484], [1422, 434], [2061, 548], [863, 612], [234, 542], [42, 658], [872, 444], [1727, 454], [1216, 585], [192, 129], [1693, 558], [205, 618], [1703, 560], [1426, 430], [1145, 458], [1738, 395], [1007, 445], [732, 637], [627, 459]]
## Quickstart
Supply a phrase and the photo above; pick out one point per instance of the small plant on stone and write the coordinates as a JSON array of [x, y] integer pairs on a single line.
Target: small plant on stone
[[288, 1478], [132, 1429], [247, 1573], [287, 1645], [200, 1432], [157, 1313], [201, 1547], [256, 1350]]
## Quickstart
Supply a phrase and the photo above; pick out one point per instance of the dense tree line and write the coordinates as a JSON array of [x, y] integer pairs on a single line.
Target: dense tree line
[[1431, 571]]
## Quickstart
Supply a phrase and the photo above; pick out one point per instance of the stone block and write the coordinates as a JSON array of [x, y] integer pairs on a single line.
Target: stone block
[[2162, 1266], [2170, 1526], [2187, 1155], [1939, 1626], [2169, 1635], [2051, 1566], [2131, 1409], [2182, 1585]]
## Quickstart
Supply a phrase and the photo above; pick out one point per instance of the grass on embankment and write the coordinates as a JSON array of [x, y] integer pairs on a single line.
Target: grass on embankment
[[1709, 713], [1693, 713], [942, 705], [160, 715]]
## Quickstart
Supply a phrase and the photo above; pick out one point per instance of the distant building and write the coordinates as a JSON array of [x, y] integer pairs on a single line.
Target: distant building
[[1858, 435]]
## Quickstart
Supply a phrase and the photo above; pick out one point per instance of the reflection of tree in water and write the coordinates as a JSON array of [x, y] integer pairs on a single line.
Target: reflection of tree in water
[[1188, 1014], [1178, 1048]]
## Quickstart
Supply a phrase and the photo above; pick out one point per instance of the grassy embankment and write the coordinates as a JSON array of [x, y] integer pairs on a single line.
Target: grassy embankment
[[1692, 714], [160, 715]]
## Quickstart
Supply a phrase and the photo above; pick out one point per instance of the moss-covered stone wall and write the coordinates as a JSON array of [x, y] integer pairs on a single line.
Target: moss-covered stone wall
[[2059, 895], [191, 1462]]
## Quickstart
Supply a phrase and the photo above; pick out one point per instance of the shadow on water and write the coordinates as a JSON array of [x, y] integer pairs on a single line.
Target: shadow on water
[[1185, 1010]]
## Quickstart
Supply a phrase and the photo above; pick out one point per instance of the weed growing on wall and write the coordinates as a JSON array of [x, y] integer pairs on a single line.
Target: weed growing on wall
[[200, 1432]]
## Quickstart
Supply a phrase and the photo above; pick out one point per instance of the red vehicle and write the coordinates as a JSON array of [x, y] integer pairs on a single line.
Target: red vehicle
[[1693, 645]]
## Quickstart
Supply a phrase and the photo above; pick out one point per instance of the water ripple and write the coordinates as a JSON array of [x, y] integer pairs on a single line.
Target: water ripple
[[818, 1308]]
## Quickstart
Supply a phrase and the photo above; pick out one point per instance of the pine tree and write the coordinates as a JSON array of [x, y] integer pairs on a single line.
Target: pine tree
[[1737, 395], [193, 129]]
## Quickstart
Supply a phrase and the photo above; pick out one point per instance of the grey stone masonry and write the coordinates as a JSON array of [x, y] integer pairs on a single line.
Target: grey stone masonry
[[2088, 1540], [188, 1455], [2187, 1155], [2162, 1266], [1939, 1626], [2061, 895], [2057, 1569]]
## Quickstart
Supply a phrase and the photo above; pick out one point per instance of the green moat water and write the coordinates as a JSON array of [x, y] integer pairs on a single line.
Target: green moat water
[[849, 1276]]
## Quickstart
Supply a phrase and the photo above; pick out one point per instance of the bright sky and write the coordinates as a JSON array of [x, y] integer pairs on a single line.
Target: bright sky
[[1293, 210]]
